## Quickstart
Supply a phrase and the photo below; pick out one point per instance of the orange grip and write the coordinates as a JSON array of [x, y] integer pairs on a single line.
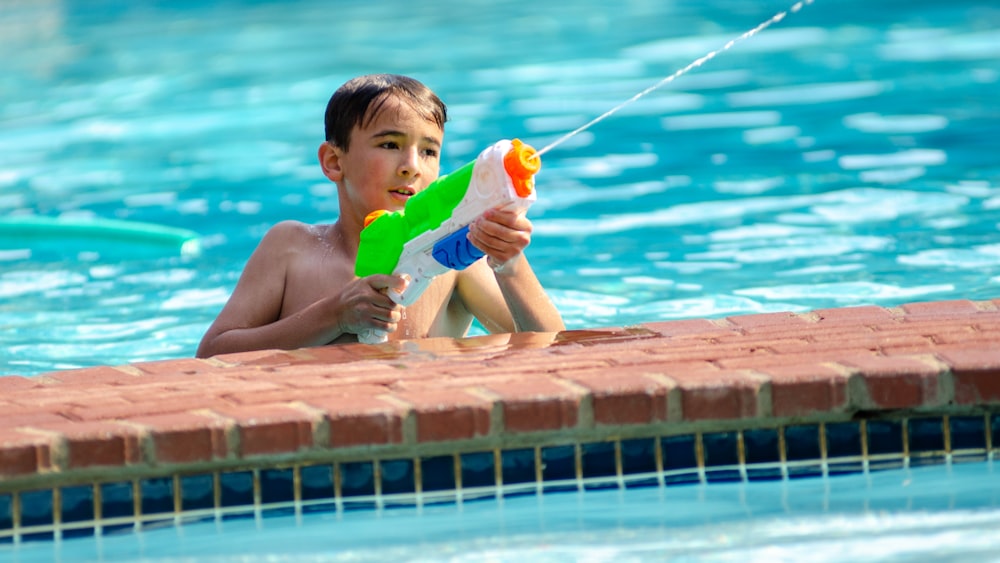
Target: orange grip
[[374, 215], [521, 164]]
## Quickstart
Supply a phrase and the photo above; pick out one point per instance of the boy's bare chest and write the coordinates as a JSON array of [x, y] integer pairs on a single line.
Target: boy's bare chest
[[317, 275]]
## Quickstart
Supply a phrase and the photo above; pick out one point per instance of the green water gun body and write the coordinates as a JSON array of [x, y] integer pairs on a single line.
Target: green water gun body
[[429, 235]]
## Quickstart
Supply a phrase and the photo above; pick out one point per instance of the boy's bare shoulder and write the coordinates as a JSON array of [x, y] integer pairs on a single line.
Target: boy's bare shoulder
[[291, 231]]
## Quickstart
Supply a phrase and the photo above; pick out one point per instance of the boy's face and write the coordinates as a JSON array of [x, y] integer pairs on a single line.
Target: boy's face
[[390, 159]]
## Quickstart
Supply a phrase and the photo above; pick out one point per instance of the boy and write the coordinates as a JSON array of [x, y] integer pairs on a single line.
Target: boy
[[383, 139]]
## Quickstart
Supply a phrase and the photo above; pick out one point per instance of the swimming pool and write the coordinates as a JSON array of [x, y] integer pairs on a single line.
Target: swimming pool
[[846, 156], [901, 515], [836, 159]]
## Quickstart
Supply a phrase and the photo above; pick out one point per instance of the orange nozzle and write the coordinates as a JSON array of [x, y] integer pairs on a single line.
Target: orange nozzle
[[374, 215], [521, 164]]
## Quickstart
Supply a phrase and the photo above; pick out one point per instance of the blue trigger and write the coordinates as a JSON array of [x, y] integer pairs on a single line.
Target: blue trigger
[[455, 251]]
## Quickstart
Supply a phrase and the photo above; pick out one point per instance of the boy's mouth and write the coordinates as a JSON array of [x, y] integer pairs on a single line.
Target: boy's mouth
[[402, 193]]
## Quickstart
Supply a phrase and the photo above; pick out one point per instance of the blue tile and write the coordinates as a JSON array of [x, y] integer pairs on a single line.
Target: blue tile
[[598, 460], [559, 463], [77, 503], [36, 508], [802, 442], [761, 446], [638, 456], [845, 468], [157, 495], [277, 485], [679, 452], [236, 489], [968, 432], [357, 479], [437, 473], [885, 437], [117, 500], [317, 482], [680, 456], [843, 439], [925, 434], [478, 470], [995, 430], [398, 477], [721, 448], [6, 511], [518, 466], [764, 474], [197, 492]]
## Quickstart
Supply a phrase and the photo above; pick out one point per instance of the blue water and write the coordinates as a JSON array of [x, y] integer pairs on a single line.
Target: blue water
[[845, 156], [936, 513]]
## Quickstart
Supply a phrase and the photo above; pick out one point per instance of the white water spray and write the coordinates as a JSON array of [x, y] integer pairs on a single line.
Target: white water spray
[[694, 64]]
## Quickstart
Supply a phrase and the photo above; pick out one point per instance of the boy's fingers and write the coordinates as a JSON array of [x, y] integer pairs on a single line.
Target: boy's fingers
[[382, 281]]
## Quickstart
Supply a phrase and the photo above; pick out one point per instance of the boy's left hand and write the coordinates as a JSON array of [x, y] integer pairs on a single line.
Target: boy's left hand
[[502, 234]]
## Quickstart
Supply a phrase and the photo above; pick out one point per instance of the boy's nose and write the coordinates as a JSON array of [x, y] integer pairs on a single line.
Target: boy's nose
[[410, 163]]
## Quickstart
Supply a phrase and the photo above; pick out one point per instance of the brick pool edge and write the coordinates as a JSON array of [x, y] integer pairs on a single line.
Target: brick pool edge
[[427, 397]]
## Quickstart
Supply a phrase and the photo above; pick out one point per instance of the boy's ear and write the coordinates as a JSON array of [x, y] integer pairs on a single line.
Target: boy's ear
[[329, 159]]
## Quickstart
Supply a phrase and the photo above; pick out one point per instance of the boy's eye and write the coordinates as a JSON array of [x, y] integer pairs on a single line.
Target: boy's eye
[[431, 153], [389, 145]]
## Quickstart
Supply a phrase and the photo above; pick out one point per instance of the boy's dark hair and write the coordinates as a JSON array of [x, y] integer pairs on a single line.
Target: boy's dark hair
[[360, 99]]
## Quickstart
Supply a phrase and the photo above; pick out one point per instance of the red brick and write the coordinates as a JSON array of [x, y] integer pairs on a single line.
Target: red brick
[[894, 382], [976, 375], [967, 335], [855, 316], [768, 322], [10, 383], [270, 429], [453, 382], [183, 366], [184, 437], [624, 394], [261, 358], [357, 421], [24, 453], [600, 336], [760, 361], [701, 328], [216, 385], [477, 346], [958, 307], [518, 340], [100, 375], [694, 351], [95, 444], [871, 341], [337, 354], [448, 414], [522, 365], [804, 389], [537, 403], [14, 416], [148, 403], [719, 395], [292, 394], [56, 398]]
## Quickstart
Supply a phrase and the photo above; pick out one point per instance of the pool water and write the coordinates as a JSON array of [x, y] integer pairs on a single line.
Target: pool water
[[940, 512], [847, 155]]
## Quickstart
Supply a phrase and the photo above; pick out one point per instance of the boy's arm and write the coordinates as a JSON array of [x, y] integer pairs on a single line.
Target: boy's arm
[[251, 319], [522, 304]]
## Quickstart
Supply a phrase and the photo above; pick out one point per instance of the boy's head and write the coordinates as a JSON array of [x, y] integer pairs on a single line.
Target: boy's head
[[359, 101]]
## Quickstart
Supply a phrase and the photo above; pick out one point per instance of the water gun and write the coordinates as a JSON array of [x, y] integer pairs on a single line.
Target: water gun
[[429, 235]]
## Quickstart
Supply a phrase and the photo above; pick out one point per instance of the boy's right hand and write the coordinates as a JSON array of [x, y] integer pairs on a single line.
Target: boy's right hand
[[366, 306]]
